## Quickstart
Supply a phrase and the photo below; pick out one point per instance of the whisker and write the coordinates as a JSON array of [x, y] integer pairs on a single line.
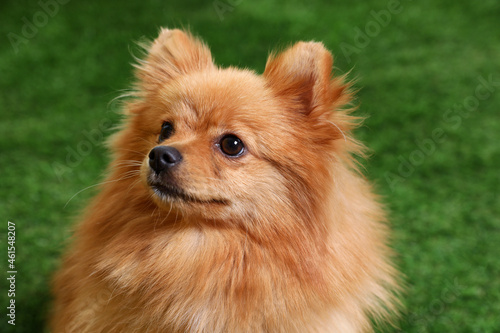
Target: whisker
[[125, 93], [98, 184], [148, 142], [129, 162], [133, 151], [135, 167], [138, 180]]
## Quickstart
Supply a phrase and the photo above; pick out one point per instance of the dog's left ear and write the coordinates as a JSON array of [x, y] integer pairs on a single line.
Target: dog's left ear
[[172, 54], [302, 75]]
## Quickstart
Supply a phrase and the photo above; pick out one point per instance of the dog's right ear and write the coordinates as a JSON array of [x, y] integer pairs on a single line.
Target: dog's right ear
[[172, 54]]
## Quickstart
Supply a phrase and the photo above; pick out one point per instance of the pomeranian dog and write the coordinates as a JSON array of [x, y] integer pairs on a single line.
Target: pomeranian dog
[[233, 204]]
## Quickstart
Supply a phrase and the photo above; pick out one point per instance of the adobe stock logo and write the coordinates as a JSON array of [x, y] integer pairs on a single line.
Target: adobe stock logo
[[451, 118], [31, 27], [222, 7], [437, 310], [76, 154], [379, 21]]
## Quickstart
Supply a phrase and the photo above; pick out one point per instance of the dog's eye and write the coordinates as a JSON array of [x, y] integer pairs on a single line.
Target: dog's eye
[[231, 145], [167, 129]]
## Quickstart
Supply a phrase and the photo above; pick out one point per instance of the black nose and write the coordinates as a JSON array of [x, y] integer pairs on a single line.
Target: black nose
[[162, 158]]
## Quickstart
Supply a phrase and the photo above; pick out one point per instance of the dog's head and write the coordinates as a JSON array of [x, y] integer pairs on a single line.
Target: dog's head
[[227, 143]]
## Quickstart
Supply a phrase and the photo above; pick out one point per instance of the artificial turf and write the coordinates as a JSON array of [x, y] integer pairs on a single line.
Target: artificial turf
[[429, 79]]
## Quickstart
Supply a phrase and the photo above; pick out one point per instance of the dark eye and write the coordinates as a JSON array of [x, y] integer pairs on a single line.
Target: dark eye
[[167, 129], [231, 145]]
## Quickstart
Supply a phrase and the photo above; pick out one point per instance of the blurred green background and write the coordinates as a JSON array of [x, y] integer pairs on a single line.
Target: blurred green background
[[429, 74]]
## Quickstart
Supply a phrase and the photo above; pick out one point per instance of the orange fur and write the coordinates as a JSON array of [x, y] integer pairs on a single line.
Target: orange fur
[[287, 237]]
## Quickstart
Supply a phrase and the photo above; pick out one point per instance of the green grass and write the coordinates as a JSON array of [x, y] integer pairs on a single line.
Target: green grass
[[427, 60]]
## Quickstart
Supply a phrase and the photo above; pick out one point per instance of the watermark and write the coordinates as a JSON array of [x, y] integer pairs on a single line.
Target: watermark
[[76, 154], [31, 26], [364, 35], [436, 310], [452, 118], [11, 272], [221, 7]]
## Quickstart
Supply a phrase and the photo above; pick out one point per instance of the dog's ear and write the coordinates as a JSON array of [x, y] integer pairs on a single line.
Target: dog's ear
[[172, 54], [302, 75]]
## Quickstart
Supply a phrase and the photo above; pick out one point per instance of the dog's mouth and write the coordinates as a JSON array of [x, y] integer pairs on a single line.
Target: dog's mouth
[[172, 193]]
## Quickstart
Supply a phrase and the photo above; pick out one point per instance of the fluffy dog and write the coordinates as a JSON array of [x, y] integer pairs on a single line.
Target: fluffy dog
[[233, 204]]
